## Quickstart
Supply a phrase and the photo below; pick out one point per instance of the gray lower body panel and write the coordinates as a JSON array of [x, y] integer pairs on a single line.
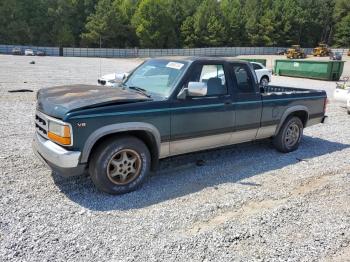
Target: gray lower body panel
[[57, 158], [184, 146]]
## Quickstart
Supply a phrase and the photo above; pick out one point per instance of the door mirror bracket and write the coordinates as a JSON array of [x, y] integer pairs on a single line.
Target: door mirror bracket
[[183, 93]]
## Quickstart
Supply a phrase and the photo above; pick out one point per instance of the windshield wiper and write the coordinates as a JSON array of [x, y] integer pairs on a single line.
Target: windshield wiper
[[140, 90]]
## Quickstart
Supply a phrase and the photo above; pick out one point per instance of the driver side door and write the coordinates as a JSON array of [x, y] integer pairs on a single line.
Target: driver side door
[[199, 123]]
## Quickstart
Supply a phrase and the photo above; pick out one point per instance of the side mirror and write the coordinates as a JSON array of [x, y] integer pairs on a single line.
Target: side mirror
[[197, 89]]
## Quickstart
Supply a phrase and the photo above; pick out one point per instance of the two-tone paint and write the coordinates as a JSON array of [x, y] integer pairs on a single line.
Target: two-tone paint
[[177, 126]]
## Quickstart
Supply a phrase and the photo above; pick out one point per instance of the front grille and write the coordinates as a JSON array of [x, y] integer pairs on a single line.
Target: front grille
[[41, 124]]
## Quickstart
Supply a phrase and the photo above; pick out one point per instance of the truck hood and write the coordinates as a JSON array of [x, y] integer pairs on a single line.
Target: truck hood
[[58, 101]]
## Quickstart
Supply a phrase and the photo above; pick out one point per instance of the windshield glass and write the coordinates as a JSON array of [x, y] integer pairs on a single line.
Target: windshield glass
[[156, 76]]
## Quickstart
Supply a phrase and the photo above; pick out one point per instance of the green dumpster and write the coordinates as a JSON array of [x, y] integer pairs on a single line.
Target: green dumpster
[[323, 70], [261, 61]]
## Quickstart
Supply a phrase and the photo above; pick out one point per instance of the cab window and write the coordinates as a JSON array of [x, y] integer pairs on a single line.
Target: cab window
[[214, 76], [243, 78]]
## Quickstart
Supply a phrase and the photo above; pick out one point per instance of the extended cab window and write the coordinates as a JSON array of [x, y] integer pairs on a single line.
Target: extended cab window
[[243, 78], [214, 76]]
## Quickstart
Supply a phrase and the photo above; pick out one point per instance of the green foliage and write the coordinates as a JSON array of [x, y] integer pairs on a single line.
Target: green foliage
[[110, 22], [175, 23], [234, 20], [154, 24], [342, 28], [206, 27], [342, 35]]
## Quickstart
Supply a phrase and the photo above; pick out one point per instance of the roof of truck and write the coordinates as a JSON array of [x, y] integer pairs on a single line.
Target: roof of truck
[[201, 58]]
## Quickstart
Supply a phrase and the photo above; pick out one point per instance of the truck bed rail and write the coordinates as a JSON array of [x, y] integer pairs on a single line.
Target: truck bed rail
[[268, 90]]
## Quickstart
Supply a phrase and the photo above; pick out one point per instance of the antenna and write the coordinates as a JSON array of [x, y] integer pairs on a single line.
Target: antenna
[[100, 55]]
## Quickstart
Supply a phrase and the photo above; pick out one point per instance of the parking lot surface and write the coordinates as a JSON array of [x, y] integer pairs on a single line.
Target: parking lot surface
[[244, 203]]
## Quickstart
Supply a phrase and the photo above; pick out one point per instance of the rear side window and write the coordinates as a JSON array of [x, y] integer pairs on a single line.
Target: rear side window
[[243, 78]]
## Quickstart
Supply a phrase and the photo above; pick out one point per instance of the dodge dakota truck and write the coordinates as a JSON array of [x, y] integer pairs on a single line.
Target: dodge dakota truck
[[165, 108]]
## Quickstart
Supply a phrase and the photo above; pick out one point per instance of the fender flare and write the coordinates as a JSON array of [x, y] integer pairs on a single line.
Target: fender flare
[[114, 129], [289, 111]]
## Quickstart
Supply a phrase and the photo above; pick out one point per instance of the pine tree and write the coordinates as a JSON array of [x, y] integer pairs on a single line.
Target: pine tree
[[154, 24]]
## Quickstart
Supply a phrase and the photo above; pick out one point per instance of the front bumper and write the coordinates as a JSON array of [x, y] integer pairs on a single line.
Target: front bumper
[[57, 158]]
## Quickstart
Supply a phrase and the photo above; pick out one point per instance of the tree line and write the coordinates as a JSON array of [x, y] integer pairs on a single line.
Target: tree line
[[174, 23]]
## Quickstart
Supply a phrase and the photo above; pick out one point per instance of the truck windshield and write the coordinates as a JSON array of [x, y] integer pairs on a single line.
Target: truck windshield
[[156, 76]]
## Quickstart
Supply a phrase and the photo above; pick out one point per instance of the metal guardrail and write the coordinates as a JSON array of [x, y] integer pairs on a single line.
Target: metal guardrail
[[135, 52]]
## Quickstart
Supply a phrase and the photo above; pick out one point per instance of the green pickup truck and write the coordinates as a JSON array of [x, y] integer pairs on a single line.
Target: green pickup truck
[[165, 108]]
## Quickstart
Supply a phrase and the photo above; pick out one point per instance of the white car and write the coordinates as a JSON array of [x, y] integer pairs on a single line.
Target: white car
[[29, 52], [343, 96], [263, 74], [111, 80], [342, 93]]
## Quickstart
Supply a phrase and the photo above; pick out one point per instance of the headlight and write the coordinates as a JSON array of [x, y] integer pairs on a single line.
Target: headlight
[[60, 133]]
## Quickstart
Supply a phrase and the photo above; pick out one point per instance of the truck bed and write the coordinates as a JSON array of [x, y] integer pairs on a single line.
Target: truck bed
[[281, 90]]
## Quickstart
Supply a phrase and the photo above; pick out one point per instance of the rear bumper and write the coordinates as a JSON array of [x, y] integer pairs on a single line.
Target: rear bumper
[[57, 158], [317, 120], [324, 120]]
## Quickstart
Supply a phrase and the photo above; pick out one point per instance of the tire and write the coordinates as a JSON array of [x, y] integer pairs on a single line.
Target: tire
[[264, 81], [292, 128], [120, 165], [348, 111]]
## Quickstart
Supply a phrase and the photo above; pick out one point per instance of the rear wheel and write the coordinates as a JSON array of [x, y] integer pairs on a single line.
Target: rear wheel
[[289, 136], [118, 166]]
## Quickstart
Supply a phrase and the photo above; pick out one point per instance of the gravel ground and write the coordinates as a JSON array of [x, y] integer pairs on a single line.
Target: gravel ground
[[246, 203]]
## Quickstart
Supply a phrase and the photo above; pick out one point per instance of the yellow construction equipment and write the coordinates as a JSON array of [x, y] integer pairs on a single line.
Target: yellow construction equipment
[[321, 50], [295, 52]]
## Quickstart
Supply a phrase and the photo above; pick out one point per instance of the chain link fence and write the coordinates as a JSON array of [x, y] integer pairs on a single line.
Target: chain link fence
[[136, 52]]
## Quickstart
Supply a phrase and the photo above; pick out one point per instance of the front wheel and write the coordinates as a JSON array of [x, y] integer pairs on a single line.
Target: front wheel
[[289, 136], [119, 166]]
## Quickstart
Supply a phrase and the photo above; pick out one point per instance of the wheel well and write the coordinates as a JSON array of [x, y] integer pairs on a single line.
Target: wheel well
[[265, 76], [303, 115], [144, 136]]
